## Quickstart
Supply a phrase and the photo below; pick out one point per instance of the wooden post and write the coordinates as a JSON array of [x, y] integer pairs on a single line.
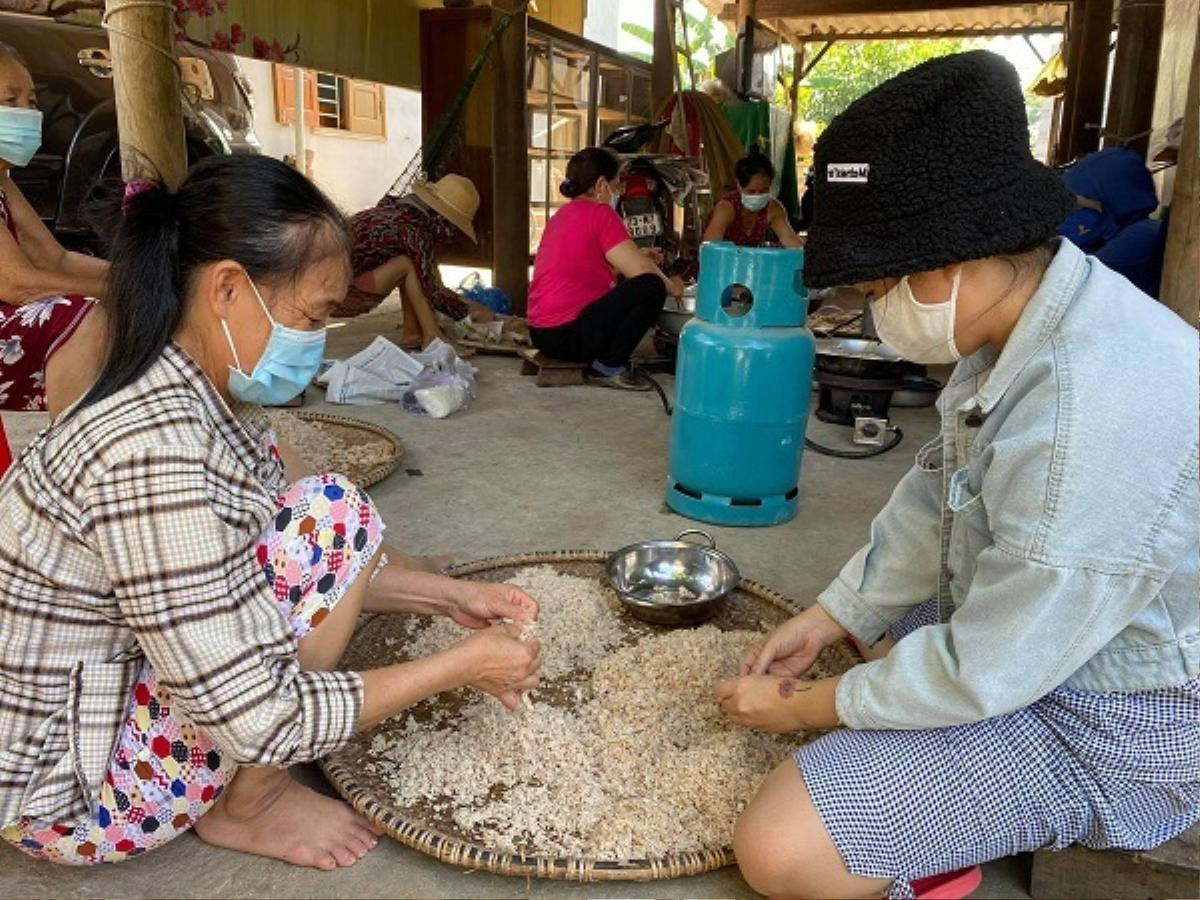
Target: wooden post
[[797, 74], [746, 28], [298, 126], [1072, 43], [662, 73], [1181, 266], [510, 159], [147, 85], [1091, 77], [1135, 72]]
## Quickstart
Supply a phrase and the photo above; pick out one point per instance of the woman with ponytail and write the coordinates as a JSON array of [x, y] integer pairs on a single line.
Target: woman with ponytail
[[577, 310], [187, 595], [47, 294]]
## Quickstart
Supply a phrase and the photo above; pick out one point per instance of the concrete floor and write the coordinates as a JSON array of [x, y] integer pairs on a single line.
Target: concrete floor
[[522, 469]]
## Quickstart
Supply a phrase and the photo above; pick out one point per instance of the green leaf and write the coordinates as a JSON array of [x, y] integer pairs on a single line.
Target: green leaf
[[641, 32]]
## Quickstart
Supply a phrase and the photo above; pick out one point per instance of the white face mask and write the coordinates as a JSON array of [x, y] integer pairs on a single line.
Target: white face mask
[[755, 202], [920, 332]]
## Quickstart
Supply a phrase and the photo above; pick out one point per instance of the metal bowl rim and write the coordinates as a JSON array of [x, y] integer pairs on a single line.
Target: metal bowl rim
[[669, 545]]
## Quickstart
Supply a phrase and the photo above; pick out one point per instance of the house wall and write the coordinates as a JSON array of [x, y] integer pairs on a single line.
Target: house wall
[[354, 171]]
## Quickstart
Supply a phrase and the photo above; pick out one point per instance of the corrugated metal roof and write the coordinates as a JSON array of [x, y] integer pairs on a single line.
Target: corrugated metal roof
[[962, 22]]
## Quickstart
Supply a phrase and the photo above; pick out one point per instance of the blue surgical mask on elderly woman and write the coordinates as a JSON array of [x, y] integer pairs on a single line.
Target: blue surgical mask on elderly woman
[[286, 367], [20, 134]]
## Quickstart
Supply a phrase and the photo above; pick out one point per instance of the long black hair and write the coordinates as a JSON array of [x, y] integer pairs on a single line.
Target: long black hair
[[755, 162], [587, 167], [251, 209]]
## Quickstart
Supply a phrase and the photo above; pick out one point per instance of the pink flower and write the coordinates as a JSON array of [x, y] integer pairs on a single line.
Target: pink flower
[[221, 5], [202, 8], [221, 41], [273, 51], [237, 34]]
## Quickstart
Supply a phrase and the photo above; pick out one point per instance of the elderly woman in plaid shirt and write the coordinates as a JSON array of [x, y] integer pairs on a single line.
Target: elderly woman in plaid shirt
[[173, 598]]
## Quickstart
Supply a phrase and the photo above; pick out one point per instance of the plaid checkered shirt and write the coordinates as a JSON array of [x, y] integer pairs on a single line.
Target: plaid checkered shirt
[[128, 533]]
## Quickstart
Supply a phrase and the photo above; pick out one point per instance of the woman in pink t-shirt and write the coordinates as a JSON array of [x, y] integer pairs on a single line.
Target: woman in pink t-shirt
[[578, 310]]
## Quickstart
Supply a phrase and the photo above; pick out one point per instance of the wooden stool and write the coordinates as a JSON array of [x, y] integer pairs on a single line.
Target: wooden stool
[[551, 372]]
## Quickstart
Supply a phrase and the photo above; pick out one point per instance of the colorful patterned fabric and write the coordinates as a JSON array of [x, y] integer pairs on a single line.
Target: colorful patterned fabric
[[396, 226], [165, 772], [29, 336], [130, 530], [1105, 770]]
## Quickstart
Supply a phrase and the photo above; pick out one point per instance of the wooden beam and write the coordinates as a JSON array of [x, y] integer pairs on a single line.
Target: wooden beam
[[1135, 73], [1091, 76], [662, 75], [146, 84], [1181, 266], [510, 159], [804, 73], [852, 37], [746, 9], [807, 9]]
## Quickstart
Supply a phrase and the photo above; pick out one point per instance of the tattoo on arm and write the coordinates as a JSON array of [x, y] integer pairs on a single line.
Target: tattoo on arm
[[787, 688]]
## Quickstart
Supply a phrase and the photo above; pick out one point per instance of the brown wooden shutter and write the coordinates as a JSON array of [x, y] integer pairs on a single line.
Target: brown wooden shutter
[[365, 108], [285, 96]]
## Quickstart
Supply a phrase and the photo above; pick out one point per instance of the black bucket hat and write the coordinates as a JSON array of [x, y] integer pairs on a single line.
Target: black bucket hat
[[931, 168]]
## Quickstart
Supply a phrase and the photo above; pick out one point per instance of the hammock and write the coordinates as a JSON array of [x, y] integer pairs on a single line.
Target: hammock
[[430, 162]]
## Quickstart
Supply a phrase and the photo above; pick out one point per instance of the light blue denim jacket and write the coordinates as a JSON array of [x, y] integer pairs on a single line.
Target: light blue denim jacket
[[1060, 507]]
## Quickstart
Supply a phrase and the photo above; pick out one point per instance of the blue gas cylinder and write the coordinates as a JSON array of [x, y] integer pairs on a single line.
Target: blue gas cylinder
[[743, 383]]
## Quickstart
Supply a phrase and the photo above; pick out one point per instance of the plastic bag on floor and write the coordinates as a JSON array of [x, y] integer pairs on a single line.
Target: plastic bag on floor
[[378, 374], [446, 385]]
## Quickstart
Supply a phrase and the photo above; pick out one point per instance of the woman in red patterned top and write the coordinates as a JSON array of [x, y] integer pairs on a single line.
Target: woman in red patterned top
[[47, 294], [745, 216]]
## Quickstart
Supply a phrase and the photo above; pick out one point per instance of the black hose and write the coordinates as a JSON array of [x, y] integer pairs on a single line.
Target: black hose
[[867, 453], [639, 372]]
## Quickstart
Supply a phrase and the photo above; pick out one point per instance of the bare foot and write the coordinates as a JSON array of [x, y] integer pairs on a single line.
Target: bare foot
[[435, 564], [290, 822]]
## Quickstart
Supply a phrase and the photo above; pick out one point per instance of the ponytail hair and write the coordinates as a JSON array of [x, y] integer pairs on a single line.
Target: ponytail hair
[[587, 167], [251, 209]]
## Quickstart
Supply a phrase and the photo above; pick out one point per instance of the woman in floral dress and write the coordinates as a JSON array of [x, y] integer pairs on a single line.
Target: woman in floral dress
[[47, 294], [395, 246]]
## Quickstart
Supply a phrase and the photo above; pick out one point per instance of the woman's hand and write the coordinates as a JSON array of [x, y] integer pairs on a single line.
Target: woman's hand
[[778, 704], [499, 662], [654, 254], [675, 286], [481, 603], [792, 648]]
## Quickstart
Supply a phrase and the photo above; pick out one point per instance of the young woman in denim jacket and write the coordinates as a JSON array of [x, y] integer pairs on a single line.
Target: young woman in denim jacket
[[1039, 562]]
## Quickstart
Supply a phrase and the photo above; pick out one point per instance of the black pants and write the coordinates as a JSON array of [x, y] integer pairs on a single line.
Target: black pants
[[608, 330]]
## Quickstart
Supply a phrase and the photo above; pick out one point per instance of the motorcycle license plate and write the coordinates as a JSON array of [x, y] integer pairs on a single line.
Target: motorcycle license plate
[[644, 225]]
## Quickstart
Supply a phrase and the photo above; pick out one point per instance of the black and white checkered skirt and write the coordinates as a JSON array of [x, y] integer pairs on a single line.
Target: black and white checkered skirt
[[1106, 770]]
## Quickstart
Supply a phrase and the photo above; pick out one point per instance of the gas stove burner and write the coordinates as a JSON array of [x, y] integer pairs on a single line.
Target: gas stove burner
[[843, 399]]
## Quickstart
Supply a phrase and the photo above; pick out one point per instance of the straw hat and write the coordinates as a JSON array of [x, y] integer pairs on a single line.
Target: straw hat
[[454, 198]]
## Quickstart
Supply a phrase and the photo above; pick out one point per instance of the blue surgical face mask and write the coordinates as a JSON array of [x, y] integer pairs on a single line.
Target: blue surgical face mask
[[755, 202], [20, 134], [286, 367]]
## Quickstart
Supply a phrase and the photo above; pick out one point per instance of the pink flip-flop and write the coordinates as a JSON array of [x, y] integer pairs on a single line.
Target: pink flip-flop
[[949, 885]]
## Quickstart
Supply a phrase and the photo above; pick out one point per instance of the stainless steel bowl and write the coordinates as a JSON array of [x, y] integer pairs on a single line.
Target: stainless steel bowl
[[673, 582], [678, 311]]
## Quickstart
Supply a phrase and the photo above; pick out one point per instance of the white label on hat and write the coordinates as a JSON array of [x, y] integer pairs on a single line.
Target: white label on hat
[[855, 173]]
